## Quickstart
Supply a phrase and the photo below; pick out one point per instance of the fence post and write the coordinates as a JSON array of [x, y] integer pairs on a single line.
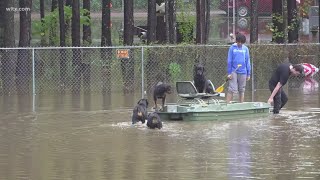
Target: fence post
[[33, 82], [142, 73]]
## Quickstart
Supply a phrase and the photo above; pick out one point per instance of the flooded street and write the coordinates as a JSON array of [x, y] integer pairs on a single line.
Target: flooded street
[[85, 137]]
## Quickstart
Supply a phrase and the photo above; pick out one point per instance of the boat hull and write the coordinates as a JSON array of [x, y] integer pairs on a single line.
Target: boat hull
[[215, 111]]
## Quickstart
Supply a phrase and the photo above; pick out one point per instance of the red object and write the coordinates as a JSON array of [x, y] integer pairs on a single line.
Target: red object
[[309, 70]]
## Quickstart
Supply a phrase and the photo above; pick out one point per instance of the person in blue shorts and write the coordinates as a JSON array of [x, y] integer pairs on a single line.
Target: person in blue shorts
[[239, 68]]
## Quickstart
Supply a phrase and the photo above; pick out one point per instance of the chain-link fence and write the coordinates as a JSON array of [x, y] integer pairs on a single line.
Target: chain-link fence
[[134, 69]]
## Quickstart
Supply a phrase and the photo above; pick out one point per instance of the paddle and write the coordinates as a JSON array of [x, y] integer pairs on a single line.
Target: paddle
[[221, 88]]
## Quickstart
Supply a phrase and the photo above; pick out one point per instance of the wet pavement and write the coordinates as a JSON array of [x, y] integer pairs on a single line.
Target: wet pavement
[[90, 137]]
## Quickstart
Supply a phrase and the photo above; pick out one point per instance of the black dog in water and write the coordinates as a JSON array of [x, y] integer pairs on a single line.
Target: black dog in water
[[154, 121], [140, 112], [160, 91]]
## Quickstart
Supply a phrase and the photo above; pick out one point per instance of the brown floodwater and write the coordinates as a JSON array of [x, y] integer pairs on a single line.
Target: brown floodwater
[[91, 137]]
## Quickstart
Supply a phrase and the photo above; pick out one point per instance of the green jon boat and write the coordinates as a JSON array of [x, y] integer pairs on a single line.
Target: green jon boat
[[201, 106]]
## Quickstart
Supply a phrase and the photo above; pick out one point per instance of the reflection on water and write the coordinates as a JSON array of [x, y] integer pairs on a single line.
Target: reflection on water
[[89, 136], [239, 153]]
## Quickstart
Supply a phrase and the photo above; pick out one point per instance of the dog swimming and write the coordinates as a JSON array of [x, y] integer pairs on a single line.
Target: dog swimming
[[140, 111], [154, 121]]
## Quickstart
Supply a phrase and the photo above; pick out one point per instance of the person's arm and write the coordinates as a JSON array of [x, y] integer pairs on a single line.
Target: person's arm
[[274, 92], [248, 64]]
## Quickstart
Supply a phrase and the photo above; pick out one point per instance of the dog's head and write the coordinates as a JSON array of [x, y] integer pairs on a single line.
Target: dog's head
[[199, 70], [168, 88], [143, 102], [154, 121]]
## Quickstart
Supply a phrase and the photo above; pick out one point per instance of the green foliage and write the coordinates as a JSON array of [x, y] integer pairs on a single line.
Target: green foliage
[[174, 70], [294, 24], [276, 33], [51, 22], [185, 20]]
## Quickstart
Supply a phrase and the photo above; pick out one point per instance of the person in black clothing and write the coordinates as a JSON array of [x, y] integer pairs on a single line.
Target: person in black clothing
[[278, 79]]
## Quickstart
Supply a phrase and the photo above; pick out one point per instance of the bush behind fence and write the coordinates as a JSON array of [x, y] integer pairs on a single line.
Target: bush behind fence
[[97, 69]]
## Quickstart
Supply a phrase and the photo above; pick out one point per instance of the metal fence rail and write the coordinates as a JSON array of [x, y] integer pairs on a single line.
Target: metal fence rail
[[107, 69]]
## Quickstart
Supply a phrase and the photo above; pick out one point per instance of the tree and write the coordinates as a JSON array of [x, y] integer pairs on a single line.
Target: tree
[[67, 26], [86, 28], [23, 60], [86, 67], [293, 31], [207, 21], [128, 22], [43, 39], [277, 22], [2, 13], [161, 34], [62, 43], [41, 9], [171, 21], [254, 22], [127, 65], [53, 30], [106, 41], [151, 38], [201, 24], [7, 73], [76, 53], [152, 22]]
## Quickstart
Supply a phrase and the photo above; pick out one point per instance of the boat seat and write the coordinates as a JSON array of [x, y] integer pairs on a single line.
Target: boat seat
[[186, 89]]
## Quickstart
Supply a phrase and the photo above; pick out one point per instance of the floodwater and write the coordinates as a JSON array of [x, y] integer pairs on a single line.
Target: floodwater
[[90, 137]]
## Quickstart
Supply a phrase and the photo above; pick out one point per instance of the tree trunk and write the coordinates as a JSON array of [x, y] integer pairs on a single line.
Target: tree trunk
[[127, 65], [87, 28], [2, 23], [43, 38], [207, 22], [172, 33], [152, 22], [62, 24], [76, 23], [23, 60], [86, 67], [161, 34], [293, 25], [254, 22], [151, 38], [128, 22], [54, 5], [67, 26], [198, 24], [41, 9], [200, 37], [76, 53], [63, 69], [53, 29], [277, 21], [106, 54], [8, 65]]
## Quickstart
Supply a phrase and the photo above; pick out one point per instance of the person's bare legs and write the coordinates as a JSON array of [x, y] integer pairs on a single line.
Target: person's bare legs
[[229, 97], [242, 79], [233, 86], [241, 97]]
